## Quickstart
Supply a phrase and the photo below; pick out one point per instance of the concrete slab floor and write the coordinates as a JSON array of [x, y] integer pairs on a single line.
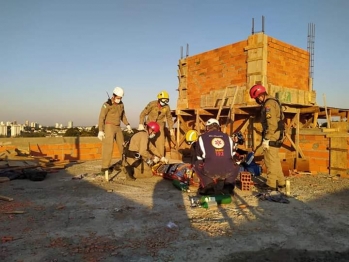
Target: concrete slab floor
[[89, 219]]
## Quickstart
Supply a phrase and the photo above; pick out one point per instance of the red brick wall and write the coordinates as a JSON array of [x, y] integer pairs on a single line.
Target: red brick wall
[[288, 66], [81, 151], [66, 151], [315, 148], [214, 70]]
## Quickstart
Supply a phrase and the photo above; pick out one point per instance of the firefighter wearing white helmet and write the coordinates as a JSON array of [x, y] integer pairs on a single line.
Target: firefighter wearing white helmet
[[111, 115], [215, 160], [158, 111]]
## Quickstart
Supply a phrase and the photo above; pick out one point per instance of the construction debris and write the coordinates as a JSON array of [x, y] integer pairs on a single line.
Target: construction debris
[[17, 164]]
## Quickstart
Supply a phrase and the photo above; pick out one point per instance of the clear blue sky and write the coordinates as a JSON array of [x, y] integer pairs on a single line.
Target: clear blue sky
[[59, 57]]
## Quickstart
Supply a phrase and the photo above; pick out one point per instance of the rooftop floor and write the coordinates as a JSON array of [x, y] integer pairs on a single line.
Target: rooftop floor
[[89, 219]]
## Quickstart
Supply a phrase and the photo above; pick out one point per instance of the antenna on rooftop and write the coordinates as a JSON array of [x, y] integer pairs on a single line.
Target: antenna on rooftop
[[310, 48], [181, 52], [187, 50]]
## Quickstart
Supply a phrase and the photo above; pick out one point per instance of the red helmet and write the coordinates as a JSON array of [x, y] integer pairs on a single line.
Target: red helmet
[[154, 126], [256, 90]]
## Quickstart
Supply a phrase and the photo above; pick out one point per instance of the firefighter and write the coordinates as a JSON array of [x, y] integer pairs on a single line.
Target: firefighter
[[272, 119], [111, 115], [158, 111], [191, 137], [215, 164], [140, 154]]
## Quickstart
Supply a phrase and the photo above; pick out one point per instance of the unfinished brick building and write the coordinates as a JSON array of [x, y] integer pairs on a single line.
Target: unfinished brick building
[[216, 84]]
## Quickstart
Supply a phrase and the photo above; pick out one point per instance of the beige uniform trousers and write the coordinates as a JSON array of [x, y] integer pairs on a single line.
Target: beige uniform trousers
[[112, 133], [140, 168], [273, 165], [159, 140]]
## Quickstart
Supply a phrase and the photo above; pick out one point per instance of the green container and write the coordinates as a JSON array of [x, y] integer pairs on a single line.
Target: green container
[[215, 199], [180, 185]]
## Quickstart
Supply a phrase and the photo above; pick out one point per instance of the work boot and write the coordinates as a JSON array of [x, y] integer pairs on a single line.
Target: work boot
[[117, 166], [102, 173], [129, 173]]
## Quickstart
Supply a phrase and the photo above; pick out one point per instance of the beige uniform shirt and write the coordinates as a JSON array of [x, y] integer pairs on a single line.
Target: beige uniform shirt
[[157, 113], [112, 114], [271, 115], [140, 143]]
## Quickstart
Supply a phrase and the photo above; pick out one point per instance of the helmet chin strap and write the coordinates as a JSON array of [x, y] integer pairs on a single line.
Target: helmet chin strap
[[260, 101]]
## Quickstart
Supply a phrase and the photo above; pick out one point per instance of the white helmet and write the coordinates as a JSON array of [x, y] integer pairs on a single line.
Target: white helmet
[[212, 121], [118, 91]]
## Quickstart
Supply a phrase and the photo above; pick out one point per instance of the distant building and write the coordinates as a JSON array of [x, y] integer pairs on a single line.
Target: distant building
[[3, 129], [70, 124], [15, 130]]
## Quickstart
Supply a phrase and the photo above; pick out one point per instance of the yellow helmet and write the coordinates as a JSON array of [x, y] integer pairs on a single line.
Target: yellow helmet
[[191, 136], [163, 95]]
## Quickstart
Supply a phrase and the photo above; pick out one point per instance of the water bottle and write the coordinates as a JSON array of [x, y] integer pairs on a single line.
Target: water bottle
[[207, 201], [288, 187], [180, 185]]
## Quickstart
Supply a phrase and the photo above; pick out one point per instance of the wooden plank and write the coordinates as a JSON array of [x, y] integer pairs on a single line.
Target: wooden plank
[[313, 109], [337, 135], [294, 145], [5, 198], [297, 136], [4, 179], [222, 103], [14, 163], [315, 117], [231, 112], [338, 155]]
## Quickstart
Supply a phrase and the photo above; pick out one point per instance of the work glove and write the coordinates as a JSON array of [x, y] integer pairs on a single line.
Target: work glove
[[101, 135], [265, 144], [172, 133], [164, 159], [129, 129], [140, 127], [156, 159], [149, 162]]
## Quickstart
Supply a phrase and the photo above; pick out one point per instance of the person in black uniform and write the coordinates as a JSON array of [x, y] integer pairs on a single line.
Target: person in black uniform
[[191, 137], [216, 165]]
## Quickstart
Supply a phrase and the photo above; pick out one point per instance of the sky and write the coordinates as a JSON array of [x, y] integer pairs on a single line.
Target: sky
[[59, 58]]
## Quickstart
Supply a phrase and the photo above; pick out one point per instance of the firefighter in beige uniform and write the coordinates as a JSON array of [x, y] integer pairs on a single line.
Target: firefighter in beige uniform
[[272, 119], [110, 117], [140, 154], [158, 111]]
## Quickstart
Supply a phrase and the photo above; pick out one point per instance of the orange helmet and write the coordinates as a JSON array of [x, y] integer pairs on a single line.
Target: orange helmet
[[256, 90], [154, 126]]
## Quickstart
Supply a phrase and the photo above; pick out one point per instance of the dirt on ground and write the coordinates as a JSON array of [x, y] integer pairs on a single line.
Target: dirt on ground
[[74, 215]]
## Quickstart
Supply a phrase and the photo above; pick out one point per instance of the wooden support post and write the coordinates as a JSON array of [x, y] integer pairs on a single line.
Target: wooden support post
[[297, 136], [222, 103], [327, 116], [294, 145], [315, 119], [197, 121], [231, 112]]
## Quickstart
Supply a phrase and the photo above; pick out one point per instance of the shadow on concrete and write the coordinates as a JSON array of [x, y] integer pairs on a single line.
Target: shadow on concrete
[[89, 219]]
